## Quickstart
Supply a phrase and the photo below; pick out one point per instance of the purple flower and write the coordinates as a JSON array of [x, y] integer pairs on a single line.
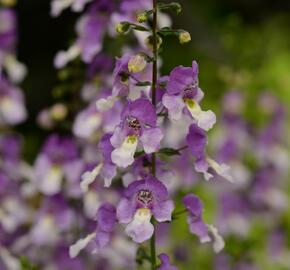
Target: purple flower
[[87, 122], [197, 141], [57, 160], [184, 95], [124, 84], [106, 169], [165, 264], [205, 232], [106, 220], [138, 124], [196, 225], [90, 29], [141, 200]]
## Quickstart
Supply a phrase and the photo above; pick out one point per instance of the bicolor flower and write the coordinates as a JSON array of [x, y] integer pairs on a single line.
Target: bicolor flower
[[87, 122], [197, 141], [138, 124], [106, 220], [57, 160], [143, 199], [165, 263], [126, 74], [205, 232], [90, 30], [183, 96]]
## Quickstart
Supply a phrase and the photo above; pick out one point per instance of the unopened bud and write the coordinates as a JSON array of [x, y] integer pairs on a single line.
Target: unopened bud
[[149, 42], [184, 37], [137, 63], [122, 27], [142, 17]]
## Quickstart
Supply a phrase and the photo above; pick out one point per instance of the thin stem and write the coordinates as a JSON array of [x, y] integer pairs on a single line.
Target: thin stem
[[153, 97]]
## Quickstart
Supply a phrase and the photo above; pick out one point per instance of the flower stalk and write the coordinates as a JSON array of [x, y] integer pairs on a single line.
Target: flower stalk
[[153, 97]]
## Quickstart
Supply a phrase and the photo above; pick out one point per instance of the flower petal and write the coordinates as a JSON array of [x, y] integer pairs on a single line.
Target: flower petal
[[174, 105], [76, 248], [162, 211], [89, 177], [140, 229], [151, 139], [123, 156]]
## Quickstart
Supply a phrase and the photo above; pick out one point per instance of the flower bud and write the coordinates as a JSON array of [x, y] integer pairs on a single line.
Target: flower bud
[[137, 63], [184, 37], [142, 17], [58, 112], [149, 42], [122, 27]]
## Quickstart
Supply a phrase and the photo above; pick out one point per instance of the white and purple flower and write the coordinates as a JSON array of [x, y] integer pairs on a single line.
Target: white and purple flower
[[138, 125], [183, 95], [106, 220], [205, 232], [143, 199], [197, 141]]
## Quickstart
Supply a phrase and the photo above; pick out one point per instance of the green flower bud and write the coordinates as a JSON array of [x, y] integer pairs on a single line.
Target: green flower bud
[[149, 42], [122, 27], [142, 17], [184, 37]]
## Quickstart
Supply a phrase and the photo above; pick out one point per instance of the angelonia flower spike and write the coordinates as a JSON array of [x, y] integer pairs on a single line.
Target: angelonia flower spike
[[135, 115]]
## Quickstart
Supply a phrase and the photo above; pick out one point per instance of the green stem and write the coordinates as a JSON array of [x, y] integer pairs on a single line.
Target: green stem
[[154, 86]]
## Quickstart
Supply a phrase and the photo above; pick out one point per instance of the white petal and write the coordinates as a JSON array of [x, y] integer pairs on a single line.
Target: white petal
[[123, 156], [8, 260], [76, 248], [105, 104], [16, 70], [221, 169], [205, 119], [218, 241], [12, 111], [51, 182], [63, 57], [78, 6], [89, 177], [57, 6], [140, 228]]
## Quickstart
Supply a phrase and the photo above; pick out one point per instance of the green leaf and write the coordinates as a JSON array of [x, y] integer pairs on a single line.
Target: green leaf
[[175, 6]]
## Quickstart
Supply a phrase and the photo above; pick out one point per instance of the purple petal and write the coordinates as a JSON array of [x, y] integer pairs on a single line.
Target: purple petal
[[151, 139], [162, 211], [180, 77], [106, 217], [125, 211], [142, 109], [197, 141]]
